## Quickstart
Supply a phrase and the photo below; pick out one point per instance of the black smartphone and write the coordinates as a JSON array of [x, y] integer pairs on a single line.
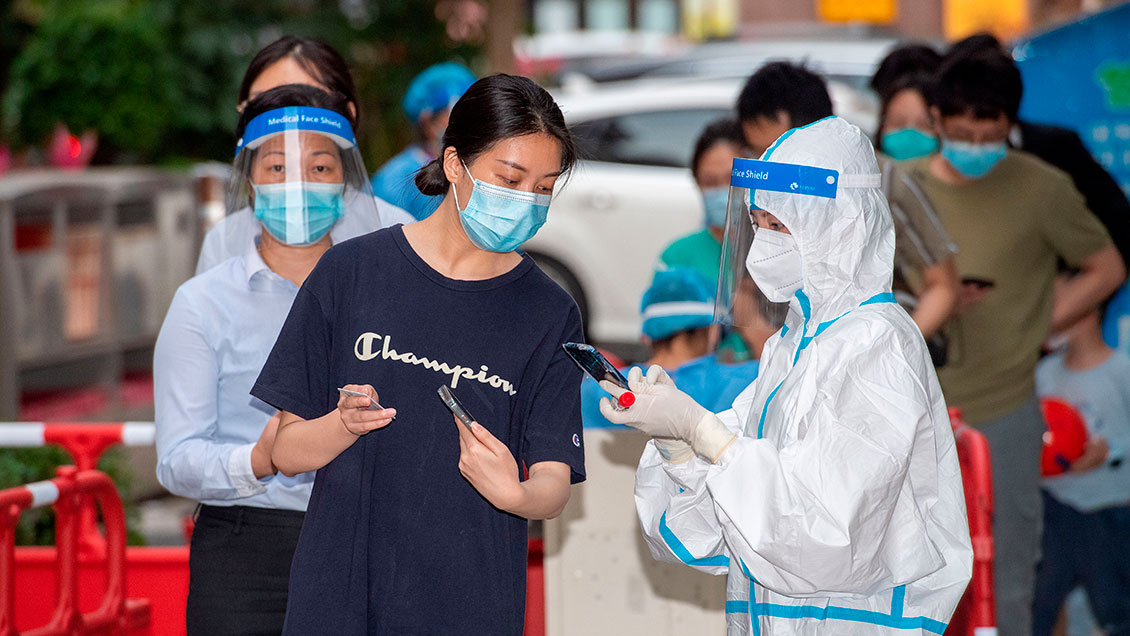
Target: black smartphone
[[594, 363], [455, 406], [983, 283]]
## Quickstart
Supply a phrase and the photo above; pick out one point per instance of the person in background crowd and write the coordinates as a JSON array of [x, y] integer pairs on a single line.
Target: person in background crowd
[[997, 201], [428, 105], [903, 60], [214, 441], [782, 95], [678, 312], [294, 59], [1087, 509], [420, 526], [1062, 148], [711, 162]]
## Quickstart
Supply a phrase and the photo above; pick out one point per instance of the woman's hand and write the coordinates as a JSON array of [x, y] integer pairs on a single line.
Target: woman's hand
[[355, 413], [487, 463]]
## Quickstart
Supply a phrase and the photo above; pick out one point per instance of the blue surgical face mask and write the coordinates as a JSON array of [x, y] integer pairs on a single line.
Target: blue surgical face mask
[[908, 143], [973, 161], [299, 212], [499, 219], [714, 202]]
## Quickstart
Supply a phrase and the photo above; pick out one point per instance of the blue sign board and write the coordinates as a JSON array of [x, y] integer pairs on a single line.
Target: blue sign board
[[1078, 76]]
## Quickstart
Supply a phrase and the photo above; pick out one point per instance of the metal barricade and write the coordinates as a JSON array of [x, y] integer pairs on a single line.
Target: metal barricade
[[69, 493]]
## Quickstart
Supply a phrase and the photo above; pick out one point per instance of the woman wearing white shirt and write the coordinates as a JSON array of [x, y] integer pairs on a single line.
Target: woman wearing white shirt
[[296, 170], [293, 59]]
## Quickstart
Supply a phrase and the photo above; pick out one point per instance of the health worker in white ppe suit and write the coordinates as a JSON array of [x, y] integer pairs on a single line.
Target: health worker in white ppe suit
[[830, 493]]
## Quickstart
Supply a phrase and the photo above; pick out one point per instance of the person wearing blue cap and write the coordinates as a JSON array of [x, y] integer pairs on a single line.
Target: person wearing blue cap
[[428, 105], [678, 312]]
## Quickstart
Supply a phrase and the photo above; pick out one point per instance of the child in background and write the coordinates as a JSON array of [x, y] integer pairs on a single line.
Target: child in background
[[1087, 509]]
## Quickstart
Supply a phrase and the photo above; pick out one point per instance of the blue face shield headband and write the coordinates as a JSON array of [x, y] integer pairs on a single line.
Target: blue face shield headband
[[754, 174], [772, 258], [296, 211]]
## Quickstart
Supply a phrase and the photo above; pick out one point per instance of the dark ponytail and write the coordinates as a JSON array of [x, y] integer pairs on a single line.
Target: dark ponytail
[[495, 108]]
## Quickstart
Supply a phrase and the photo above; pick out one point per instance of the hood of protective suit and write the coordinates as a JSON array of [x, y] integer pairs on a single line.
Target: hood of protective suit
[[847, 244]]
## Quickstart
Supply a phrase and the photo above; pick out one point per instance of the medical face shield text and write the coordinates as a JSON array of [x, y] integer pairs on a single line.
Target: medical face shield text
[[499, 219], [300, 173], [740, 302]]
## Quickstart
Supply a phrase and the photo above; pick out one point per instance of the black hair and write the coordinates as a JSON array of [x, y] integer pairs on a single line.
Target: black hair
[[788, 87], [984, 84], [908, 59], [298, 95], [494, 108], [722, 130], [921, 83], [976, 44], [320, 60]]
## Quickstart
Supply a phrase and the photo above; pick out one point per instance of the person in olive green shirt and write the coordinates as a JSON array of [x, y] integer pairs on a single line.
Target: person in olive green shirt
[[1012, 217], [711, 164]]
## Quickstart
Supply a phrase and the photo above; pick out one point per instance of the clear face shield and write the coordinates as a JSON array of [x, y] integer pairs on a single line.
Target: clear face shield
[[297, 176], [761, 267]]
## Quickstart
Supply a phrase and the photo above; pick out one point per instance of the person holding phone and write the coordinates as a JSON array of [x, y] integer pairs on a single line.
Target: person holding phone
[[420, 525], [830, 493], [214, 443]]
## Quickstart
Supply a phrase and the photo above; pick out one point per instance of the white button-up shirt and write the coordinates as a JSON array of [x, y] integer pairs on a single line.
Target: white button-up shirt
[[217, 334]]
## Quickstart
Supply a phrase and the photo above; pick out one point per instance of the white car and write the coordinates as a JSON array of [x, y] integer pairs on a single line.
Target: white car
[[632, 194]]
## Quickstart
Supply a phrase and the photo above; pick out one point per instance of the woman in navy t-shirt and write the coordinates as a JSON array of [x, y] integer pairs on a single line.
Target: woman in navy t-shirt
[[418, 525]]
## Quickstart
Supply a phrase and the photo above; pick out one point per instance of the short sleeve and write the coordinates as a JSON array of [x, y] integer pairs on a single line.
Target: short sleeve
[[295, 376], [1073, 231], [553, 430]]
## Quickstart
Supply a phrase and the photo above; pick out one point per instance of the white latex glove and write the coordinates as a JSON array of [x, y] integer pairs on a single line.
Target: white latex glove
[[664, 412], [671, 449]]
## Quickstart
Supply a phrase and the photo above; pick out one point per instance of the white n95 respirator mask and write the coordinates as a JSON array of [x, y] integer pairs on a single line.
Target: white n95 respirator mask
[[775, 264]]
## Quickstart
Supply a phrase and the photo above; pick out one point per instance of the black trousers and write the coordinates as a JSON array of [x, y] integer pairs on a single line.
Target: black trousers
[[239, 568]]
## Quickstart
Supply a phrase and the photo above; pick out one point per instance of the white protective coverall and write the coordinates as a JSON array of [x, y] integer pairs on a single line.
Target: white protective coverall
[[839, 507]]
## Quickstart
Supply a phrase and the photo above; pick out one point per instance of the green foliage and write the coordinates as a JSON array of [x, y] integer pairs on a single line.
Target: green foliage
[[158, 79], [24, 465], [100, 65]]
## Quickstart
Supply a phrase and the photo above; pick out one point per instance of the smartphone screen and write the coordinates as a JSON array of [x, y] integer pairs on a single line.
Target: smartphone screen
[[594, 363], [454, 405]]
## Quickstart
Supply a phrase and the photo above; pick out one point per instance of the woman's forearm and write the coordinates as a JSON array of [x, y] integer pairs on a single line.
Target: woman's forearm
[[306, 445], [545, 492]]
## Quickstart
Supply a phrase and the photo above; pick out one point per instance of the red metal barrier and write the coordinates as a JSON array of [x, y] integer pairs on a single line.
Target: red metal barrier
[[976, 614], [85, 442], [69, 492], [159, 574]]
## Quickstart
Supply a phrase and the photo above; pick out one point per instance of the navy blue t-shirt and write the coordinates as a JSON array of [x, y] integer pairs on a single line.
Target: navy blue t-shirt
[[395, 540]]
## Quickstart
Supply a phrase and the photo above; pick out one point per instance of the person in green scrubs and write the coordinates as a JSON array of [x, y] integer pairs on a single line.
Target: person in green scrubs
[[701, 251]]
